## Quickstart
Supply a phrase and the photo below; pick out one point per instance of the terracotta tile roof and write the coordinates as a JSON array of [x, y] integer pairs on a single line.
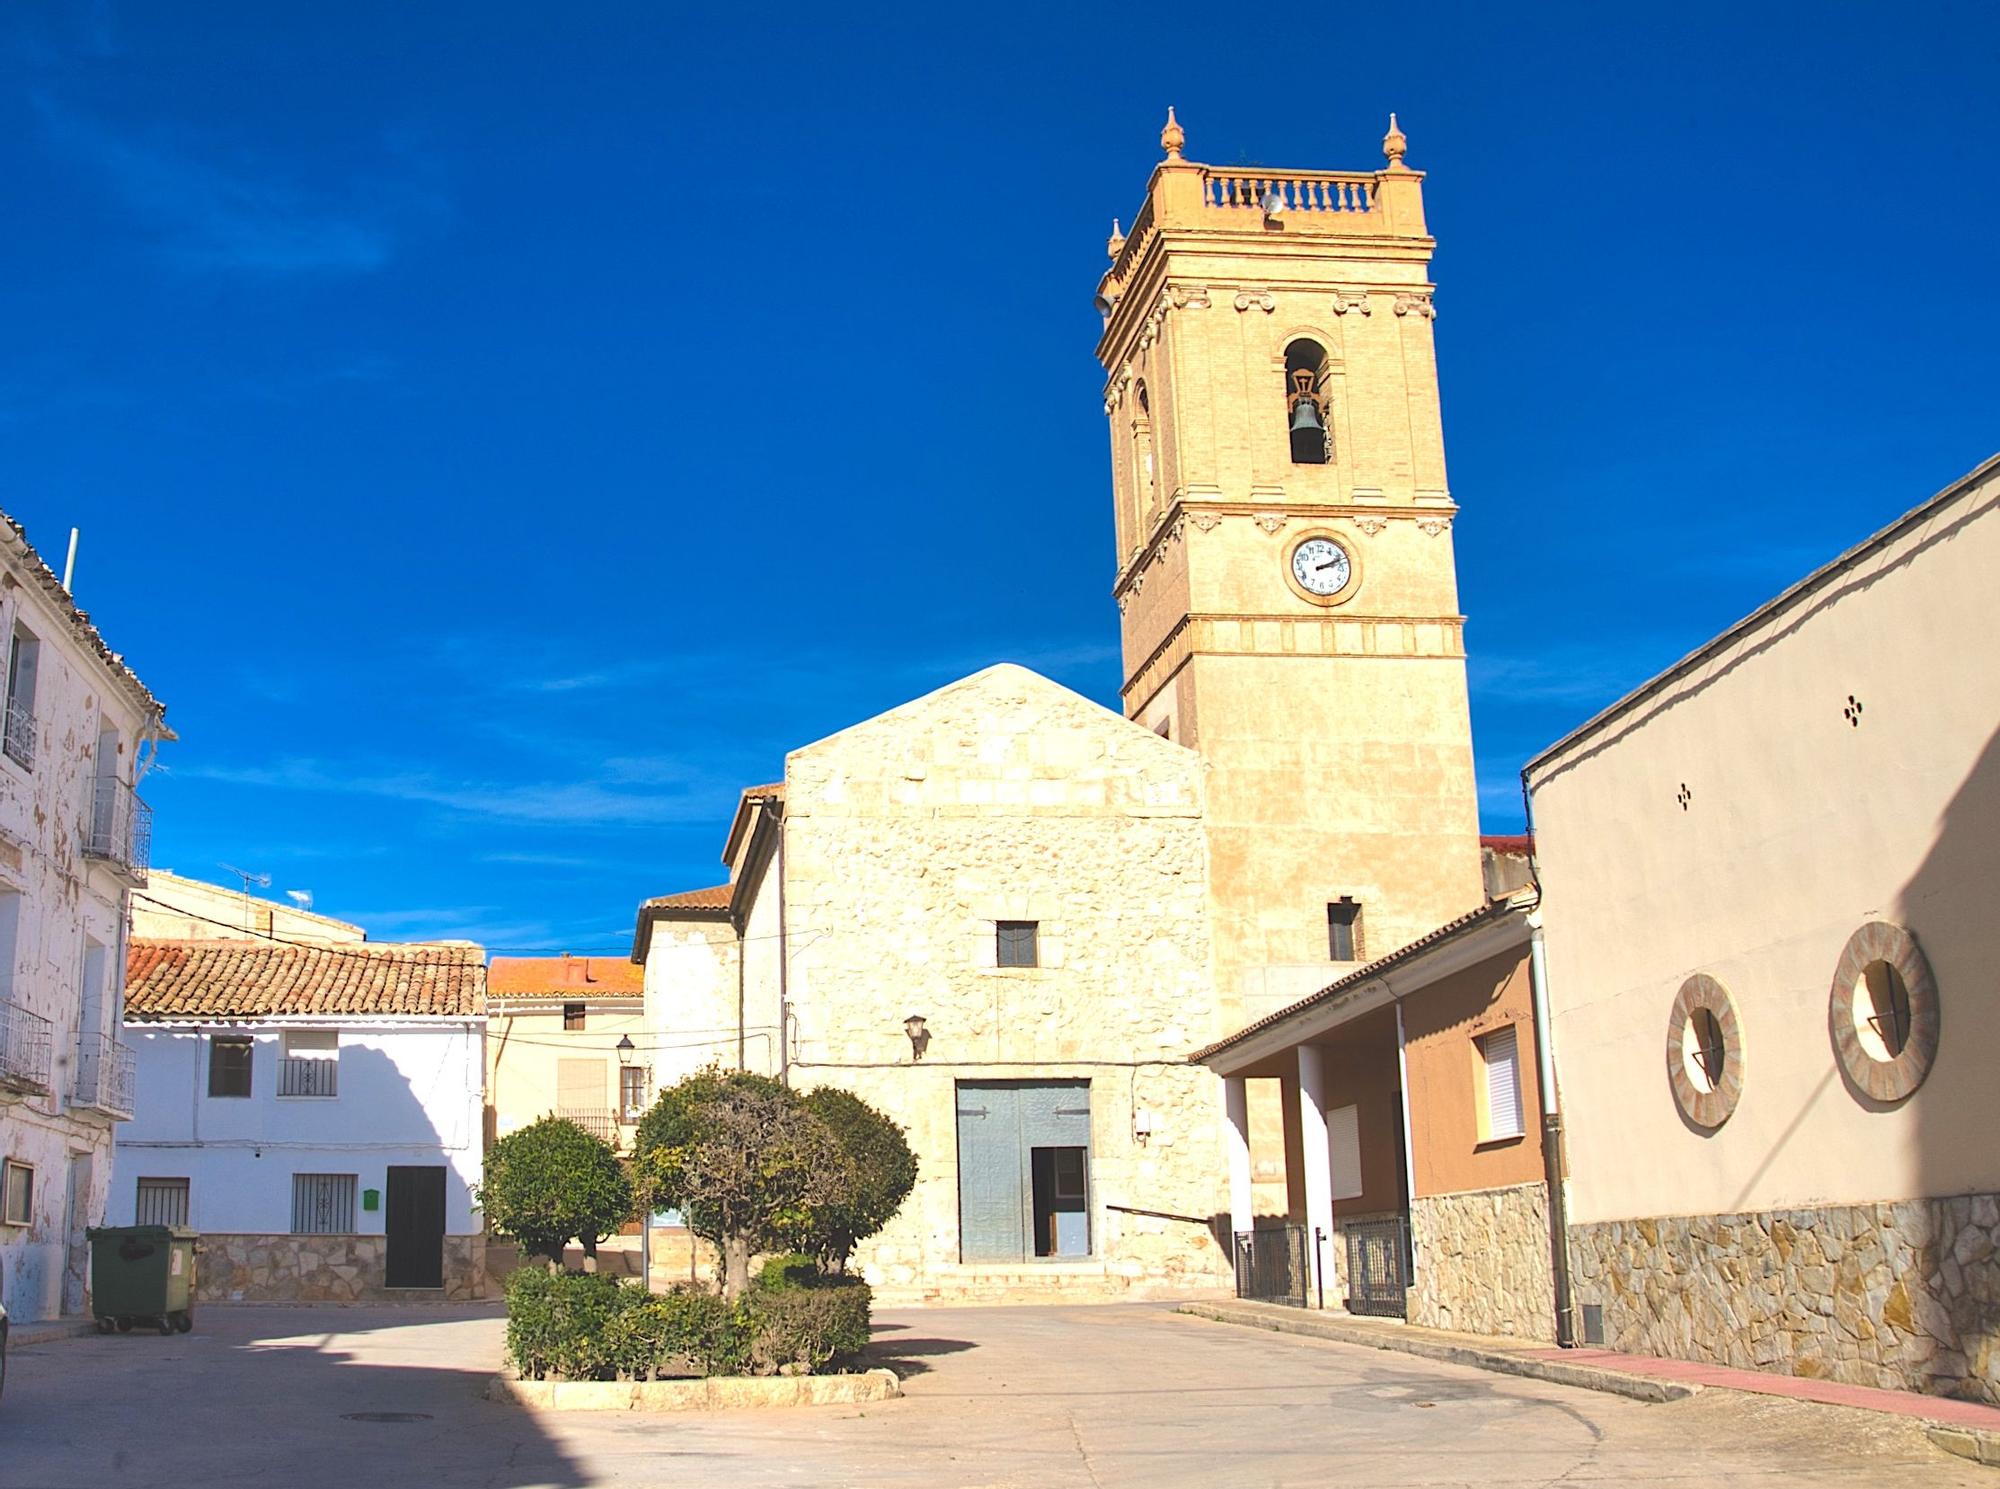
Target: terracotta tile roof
[[247, 979], [558, 977], [45, 579], [1508, 842], [716, 897]]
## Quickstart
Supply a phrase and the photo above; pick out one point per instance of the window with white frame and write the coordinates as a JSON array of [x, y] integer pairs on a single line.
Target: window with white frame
[[309, 1063], [1500, 1067], [161, 1202], [323, 1204], [17, 1194]]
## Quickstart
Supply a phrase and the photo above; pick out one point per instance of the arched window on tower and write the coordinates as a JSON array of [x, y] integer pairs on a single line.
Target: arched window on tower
[[1307, 410], [1144, 480]]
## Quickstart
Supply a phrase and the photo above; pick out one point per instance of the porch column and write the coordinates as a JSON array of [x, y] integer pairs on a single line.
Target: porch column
[[1236, 1146], [1318, 1158]]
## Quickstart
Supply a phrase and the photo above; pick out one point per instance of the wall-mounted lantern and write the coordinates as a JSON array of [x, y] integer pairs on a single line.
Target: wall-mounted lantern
[[625, 1048], [919, 1036]]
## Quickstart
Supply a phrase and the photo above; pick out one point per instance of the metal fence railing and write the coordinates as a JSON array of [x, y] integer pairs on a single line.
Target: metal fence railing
[[298, 1076], [119, 827], [1378, 1266], [24, 1048], [17, 737], [598, 1121], [1274, 1264], [104, 1077]]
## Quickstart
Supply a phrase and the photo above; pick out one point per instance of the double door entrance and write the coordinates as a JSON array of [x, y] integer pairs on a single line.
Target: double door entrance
[[1023, 1170]]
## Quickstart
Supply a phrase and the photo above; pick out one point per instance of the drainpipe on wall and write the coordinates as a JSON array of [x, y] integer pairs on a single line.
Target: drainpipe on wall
[[1552, 1135], [784, 961], [741, 995]]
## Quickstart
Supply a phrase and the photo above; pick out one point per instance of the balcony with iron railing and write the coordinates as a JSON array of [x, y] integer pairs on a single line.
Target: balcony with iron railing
[[598, 1121], [299, 1076], [104, 1077], [17, 733], [24, 1049], [119, 828]]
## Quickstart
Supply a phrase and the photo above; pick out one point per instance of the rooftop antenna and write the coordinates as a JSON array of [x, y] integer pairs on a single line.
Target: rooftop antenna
[[262, 881], [69, 564]]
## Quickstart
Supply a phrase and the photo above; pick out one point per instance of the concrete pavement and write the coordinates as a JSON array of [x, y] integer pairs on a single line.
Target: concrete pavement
[[1099, 1398]]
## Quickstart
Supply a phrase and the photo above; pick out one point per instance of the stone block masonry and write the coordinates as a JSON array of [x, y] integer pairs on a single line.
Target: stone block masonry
[[325, 1269], [1483, 1262], [1901, 1296]]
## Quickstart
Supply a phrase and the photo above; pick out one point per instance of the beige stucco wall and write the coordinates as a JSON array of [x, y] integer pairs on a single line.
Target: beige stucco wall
[[1447, 1080], [1799, 827], [523, 1048], [177, 908], [1005, 796]]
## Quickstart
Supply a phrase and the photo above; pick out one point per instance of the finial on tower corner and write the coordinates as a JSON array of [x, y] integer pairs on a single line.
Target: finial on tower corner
[[1115, 244], [1173, 136], [1394, 144]]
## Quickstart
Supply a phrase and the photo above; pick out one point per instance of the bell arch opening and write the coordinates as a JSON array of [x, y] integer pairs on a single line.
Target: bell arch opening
[[1306, 406]]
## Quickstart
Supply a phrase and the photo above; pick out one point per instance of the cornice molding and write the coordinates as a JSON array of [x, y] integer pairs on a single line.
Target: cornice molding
[[1371, 518]]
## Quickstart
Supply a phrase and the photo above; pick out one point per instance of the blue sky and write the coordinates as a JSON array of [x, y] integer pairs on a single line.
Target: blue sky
[[499, 432]]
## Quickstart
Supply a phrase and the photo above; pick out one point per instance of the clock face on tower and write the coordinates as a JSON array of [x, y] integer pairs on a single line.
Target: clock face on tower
[[1321, 568]]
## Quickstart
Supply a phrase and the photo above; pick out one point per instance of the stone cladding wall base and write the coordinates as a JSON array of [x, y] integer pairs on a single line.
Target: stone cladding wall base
[[1903, 1296]]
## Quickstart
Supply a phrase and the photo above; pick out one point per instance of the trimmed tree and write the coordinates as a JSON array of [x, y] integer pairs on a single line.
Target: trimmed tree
[[880, 1173], [550, 1183], [743, 1160]]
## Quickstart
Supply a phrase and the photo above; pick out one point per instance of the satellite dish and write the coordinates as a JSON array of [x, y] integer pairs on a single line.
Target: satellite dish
[[1274, 202]]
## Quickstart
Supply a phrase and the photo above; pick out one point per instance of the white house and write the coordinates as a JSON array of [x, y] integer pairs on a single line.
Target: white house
[[75, 733], [314, 1111]]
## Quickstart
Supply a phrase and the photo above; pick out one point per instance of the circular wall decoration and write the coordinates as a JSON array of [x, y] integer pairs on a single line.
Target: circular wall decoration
[[1704, 1052], [1883, 1012]]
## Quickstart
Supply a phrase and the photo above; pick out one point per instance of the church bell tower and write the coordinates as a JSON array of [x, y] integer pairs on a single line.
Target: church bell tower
[[1285, 578]]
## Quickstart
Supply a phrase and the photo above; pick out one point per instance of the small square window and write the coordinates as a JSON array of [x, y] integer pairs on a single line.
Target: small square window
[[161, 1202], [17, 1204], [229, 1066], [572, 1015], [1014, 944], [1343, 930], [323, 1204]]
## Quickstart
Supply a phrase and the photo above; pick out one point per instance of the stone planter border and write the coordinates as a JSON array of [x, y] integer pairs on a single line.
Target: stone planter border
[[714, 1393]]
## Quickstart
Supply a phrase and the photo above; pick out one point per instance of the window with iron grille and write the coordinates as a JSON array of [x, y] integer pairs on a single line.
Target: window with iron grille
[[309, 1063], [229, 1066], [17, 1194], [322, 1204], [161, 1202], [1014, 944], [572, 1015], [23, 662], [1343, 930]]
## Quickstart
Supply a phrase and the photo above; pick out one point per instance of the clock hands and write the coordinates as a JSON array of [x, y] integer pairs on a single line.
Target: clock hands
[[1328, 564]]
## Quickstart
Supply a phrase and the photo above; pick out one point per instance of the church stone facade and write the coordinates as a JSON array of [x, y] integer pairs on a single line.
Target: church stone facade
[[1005, 915]]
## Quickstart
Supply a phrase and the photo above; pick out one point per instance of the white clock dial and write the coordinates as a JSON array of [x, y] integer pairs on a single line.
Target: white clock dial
[[1321, 566]]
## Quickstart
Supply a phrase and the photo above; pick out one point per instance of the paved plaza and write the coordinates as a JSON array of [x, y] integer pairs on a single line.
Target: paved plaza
[[1042, 1397]]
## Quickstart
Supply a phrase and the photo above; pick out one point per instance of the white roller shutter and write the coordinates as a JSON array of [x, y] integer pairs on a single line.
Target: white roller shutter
[[1503, 1084]]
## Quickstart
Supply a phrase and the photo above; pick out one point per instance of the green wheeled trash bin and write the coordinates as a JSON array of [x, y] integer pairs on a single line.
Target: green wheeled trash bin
[[142, 1274]]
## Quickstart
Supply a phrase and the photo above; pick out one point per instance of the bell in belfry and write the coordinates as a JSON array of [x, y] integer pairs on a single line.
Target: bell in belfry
[[1308, 427]]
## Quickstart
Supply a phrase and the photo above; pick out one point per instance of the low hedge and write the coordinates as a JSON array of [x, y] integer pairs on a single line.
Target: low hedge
[[581, 1326]]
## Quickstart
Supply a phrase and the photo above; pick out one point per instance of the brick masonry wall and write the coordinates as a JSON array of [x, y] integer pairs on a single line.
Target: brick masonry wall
[[324, 1269], [1483, 1262], [1902, 1296]]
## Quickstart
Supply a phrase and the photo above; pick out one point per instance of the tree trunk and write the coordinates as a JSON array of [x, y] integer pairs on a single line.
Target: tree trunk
[[735, 1266]]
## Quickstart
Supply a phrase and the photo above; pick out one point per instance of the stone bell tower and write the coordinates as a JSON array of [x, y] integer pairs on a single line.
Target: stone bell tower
[[1285, 574]]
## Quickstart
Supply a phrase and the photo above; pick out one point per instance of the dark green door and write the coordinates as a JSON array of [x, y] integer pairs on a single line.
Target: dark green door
[[415, 1226]]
